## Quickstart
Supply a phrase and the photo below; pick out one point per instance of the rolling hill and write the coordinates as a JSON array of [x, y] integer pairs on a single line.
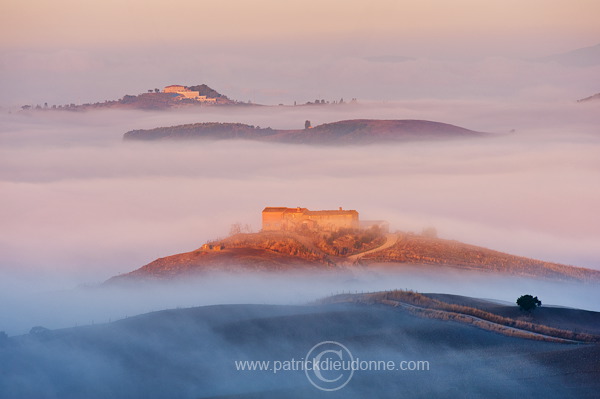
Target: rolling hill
[[594, 98], [358, 131], [288, 252], [153, 100], [199, 353], [582, 57]]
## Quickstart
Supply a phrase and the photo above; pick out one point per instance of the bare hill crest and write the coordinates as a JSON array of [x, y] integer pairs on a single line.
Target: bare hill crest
[[346, 250], [357, 131]]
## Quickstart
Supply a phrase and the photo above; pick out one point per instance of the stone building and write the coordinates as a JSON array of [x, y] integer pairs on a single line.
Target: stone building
[[185, 93], [174, 89], [286, 219]]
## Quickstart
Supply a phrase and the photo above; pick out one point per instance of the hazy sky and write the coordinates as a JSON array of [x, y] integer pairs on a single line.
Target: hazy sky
[[77, 200], [272, 51], [552, 24]]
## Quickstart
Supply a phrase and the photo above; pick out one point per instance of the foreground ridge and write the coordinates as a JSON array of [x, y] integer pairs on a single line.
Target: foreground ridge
[[424, 306]]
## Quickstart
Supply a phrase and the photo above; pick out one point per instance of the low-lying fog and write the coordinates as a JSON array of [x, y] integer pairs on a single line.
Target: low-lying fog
[[37, 305], [79, 205]]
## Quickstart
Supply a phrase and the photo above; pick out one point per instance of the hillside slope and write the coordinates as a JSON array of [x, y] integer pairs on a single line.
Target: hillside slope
[[421, 250], [594, 98], [581, 57], [284, 252], [153, 100], [192, 353], [359, 131]]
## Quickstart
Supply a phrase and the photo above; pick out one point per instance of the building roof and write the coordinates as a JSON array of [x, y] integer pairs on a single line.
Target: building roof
[[275, 209], [306, 211], [175, 86], [342, 212]]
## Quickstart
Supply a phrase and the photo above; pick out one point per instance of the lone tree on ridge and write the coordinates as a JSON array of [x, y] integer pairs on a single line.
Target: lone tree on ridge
[[528, 302]]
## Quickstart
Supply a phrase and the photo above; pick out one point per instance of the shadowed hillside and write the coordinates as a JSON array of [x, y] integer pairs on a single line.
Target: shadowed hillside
[[192, 353], [584, 321], [566, 324], [594, 98], [359, 131]]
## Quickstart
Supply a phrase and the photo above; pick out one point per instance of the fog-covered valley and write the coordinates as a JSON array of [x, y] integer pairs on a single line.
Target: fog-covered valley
[[81, 205], [195, 353], [138, 269]]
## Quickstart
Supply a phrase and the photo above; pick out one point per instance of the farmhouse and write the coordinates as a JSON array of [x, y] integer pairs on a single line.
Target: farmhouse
[[185, 93], [281, 218], [174, 89]]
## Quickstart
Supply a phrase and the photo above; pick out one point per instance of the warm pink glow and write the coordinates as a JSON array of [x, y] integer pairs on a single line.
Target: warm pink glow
[[75, 22]]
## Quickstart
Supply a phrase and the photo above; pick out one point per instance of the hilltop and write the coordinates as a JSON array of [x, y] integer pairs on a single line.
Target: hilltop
[[357, 131], [595, 97], [193, 352], [170, 97], [153, 99], [582, 57], [346, 250]]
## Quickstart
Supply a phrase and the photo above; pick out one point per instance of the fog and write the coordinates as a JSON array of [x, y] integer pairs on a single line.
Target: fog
[[367, 68], [79, 205], [45, 302], [191, 353]]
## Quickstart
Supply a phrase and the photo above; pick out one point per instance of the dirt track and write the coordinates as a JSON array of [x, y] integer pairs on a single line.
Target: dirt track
[[391, 239]]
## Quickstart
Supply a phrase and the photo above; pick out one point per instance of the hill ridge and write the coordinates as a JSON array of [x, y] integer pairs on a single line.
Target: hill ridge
[[290, 252], [354, 131]]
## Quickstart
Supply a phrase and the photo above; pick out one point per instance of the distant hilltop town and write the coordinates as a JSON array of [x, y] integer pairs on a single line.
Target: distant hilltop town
[[180, 92], [172, 96], [292, 219]]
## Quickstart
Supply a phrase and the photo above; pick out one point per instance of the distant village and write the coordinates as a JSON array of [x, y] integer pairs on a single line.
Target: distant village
[[172, 96], [179, 92]]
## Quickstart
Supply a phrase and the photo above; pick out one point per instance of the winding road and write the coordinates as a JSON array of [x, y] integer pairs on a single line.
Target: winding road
[[391, 240]]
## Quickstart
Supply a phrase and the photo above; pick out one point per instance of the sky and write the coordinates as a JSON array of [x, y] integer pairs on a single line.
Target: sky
[[272, 51], [137, 22]]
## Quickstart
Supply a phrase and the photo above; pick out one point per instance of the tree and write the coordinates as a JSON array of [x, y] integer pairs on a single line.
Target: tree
[[128, 99], [430, 232], [39, 330], [307, 124], [528, 302], [236, 228]]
